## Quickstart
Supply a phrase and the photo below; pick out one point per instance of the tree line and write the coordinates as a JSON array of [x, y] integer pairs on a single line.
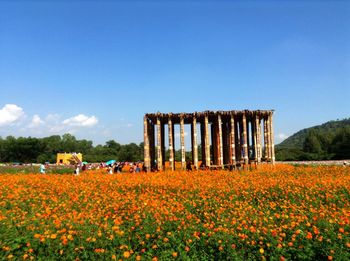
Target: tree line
[[40, 150], [330, 141]]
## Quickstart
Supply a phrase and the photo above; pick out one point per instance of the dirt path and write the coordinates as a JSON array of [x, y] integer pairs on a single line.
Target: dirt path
[[321, 162]]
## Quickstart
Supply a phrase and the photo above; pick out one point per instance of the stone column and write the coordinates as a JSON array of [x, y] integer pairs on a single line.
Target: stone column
[[258, 136], [272, 144], [174, 148], [266, 139], [225, 142], [232, 141], [182, 141], [171, 143], [147, 159], [245, 139], [214, 148], [207, 144], [163, 144], [219, 141], [202, 126], [248, 135], [238, 139], [255, 137], [194, 142], [152, 143], [159, 145]]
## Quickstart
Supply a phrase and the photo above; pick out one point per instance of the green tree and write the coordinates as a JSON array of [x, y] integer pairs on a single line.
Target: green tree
[[84, 146], [312, 143], [2, 150], [341, 144], [99, 154], [130, 152], [113, 147], [69, 143], [52, 145], [10, 148]]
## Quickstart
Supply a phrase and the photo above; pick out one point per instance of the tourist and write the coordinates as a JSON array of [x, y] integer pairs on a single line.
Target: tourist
[[77, 169], [42, 168], [110, 169], [188, 166], [116, 167], [138, 167], [202, 166], [131, 169]]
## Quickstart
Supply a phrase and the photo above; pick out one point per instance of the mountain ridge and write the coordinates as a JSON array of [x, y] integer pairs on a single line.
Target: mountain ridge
[[330, 140]]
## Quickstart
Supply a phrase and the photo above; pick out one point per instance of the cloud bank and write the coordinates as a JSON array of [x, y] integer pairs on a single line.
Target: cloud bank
[[14, 121], [36, 122], [81, 120], [281, 137], [10, 113]]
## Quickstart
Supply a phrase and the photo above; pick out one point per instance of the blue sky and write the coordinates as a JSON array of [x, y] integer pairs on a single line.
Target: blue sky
[[94, 68]]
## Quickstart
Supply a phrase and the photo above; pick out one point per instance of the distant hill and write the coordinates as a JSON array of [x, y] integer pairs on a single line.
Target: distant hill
[[330, 140]]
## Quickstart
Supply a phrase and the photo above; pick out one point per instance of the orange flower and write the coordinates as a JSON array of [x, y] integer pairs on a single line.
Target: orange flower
[[309, 235], [126, 254], [206, 206]]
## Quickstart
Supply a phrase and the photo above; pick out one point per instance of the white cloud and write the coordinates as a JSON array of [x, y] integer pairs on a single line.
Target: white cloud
[[57, 129], [36, 122], [14, 121], [10, 113], [81, 120], [282, 136], [52, 118]]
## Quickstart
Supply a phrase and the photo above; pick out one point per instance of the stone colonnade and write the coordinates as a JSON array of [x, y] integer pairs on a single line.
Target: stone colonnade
[[227, 138]]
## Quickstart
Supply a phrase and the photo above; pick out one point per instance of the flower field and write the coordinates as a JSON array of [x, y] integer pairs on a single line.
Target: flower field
[[276, 213]]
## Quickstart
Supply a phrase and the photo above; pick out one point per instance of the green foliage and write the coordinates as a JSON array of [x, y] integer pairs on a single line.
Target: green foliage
[[130, 152], [312, 143], [40, 150], [327, 141], [340, 146]]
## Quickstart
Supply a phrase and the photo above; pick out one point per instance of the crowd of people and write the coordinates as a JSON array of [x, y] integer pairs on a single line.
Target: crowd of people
[[119, 167], [113, 168]]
